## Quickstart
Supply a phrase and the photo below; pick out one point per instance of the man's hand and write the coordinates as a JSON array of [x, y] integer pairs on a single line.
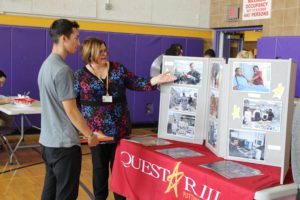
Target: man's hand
[[93, 140]]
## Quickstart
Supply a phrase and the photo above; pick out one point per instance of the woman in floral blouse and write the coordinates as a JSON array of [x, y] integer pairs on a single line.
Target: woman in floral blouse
[[101, 93]]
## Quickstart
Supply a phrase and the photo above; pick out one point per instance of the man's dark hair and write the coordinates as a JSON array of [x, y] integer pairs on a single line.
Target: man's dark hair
[[62, 27], [210, 52], [2, 74]]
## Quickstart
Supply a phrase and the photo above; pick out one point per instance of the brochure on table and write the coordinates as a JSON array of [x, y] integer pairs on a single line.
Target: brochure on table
[[148, 140], [231, 170], [182, 114]]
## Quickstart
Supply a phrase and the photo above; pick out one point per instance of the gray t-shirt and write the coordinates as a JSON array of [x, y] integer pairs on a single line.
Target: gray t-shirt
[[296, 145], [56, 84]]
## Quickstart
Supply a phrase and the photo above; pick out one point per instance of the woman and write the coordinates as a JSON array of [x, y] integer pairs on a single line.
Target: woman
[[101, 93]]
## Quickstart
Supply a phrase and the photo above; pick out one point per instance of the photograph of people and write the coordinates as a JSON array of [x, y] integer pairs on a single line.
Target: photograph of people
[[213, 134], [188, 72], [247, 76], [215, 75], [240, 82], [214, 105], [100, 88], [193, 76], [262, 115], [246, 144], [257, 76], [181, 125], [183, 99]]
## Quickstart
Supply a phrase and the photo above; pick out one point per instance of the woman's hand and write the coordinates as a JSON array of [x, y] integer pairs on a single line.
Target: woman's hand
[[165, 77]]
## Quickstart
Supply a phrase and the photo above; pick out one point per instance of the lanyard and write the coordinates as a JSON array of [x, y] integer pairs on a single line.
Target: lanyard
[[107, 77]]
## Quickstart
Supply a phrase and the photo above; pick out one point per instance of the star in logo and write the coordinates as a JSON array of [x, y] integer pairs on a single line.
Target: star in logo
[[174, 180], [236, 112], [278, 91]]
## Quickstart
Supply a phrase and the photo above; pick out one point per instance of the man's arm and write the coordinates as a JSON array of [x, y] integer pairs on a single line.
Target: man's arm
[[78, 121]]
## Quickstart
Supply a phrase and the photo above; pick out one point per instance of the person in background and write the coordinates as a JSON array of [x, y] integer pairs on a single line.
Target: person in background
[[100, 88], [5, 120], [209, 53], [59, 139], [245, 54], [156, 67]]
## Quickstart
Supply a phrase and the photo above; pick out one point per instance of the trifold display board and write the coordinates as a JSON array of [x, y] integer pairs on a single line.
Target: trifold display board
[[260, 110], [216, 107], [243, 109], [182, 113]]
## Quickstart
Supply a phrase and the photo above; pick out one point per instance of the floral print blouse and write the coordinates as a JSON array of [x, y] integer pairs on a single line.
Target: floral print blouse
[[110, 118]]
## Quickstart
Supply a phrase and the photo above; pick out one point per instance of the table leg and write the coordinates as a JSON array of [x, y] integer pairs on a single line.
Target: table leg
[[19, 142], [30, 124]]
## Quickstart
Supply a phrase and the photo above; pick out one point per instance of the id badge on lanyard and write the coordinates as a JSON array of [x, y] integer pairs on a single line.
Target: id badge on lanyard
[[107, 98]]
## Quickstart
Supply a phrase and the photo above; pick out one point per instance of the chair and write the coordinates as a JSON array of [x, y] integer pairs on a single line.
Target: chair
[[4, 132]]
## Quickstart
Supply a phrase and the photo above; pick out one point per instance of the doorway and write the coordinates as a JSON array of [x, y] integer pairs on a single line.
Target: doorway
[[230, 41]]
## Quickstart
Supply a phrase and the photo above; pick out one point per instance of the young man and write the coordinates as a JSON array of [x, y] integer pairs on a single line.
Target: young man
[[5, 120], [59, 138], [296, 148]]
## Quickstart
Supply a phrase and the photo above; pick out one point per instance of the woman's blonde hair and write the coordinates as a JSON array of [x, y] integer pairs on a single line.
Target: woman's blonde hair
[[245, 54], [90, 49]]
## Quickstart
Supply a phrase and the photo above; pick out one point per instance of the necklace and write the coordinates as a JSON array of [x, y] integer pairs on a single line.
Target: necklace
[[99, 77], [91, 68]]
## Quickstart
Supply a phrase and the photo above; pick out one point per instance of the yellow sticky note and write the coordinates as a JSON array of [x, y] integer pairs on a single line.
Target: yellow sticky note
[[278, 91], [236, 112]]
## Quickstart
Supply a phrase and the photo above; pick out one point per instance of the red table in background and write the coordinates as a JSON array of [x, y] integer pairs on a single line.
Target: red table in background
[[141, 173]]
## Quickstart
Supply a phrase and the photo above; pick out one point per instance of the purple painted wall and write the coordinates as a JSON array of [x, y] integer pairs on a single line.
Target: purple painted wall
[[285, 47], [149, 47], [23, 50]]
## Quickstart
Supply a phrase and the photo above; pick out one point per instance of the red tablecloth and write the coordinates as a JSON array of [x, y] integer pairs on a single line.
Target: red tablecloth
[[140, 173]]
